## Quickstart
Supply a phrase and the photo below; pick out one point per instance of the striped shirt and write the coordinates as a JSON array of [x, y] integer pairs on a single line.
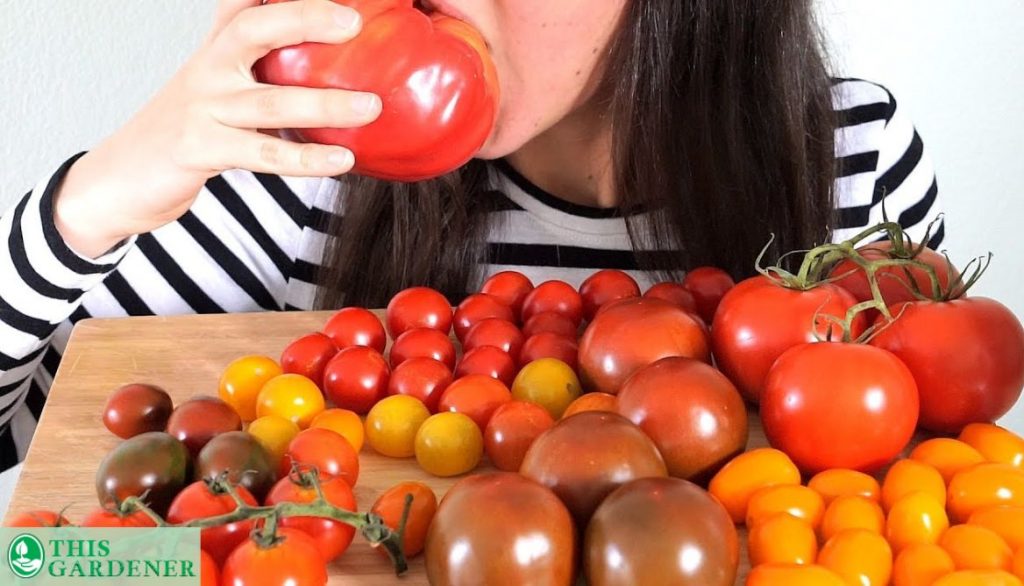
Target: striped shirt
[[250, 243]]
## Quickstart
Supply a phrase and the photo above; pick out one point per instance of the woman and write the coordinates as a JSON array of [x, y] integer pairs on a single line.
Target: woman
[[646, 135]]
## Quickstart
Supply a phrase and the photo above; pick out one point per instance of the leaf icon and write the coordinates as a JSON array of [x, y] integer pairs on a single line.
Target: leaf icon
[[21, 549]]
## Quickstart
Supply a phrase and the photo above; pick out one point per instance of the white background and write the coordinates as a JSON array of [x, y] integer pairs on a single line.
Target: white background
[[72, 71]]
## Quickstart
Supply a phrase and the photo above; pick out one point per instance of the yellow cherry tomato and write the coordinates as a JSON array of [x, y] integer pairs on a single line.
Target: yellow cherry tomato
[[274, 433], [782, 539], [859, 557], [852, 512], [921, 564], [1007, 522], [915, 518], [996, 444], [392, 423], [745, 474], [291, 396], [947, 455], [448, 444], [548, 382], [973, 547], [793, 499], [343, 422], [242, 381], [844, 482], [909, 476], [793, 575], [983, 486], [978, 578]]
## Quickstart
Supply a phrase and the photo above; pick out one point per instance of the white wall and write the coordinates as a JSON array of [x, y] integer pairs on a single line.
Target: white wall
[[73, 71]]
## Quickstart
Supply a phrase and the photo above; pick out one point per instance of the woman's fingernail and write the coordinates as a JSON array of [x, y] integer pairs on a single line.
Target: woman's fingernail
[[345, 17], [366, 103], [340, 158]]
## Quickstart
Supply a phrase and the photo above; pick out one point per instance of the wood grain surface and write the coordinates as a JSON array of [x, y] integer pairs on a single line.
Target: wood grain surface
[[186, 355]]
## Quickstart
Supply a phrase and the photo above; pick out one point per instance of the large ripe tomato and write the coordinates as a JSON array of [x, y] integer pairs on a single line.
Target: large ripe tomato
[[308, 356], [674, 293], [242, 457], [499, 333], [708, 285], [966, 355], [291, 559], [355, 326], [137, 408], [661, 531], [633, 333], [489, 360], [893, 282], [477, 307], [242, 380], [391, 505], [500, 528], [511, 287], [418, 307], [477, 396], [512, 430], [196, 421], [758, 320], [37, 519], [585, 457], [604, 287], [423, 343], [154, 463], [423, 378], [549, 345], [356, 379], [332, 537], [836, 405], [556, 296], [694, 415], [199, 501], [108, 517], [328, 451]]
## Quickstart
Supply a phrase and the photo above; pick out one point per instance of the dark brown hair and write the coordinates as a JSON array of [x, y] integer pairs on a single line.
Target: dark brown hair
[[722, 125]]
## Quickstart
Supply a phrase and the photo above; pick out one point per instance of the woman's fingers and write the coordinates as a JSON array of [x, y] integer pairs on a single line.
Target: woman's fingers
[[260, 153], [226, 11], [269, 106]]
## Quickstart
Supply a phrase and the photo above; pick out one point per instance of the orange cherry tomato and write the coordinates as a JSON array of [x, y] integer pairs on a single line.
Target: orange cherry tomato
[[844, 482], [793, 499], [983, 486], [978, 578], [1007, 522], [946, 455], [782, 539], [592, 402], [859, 556], [921, 564], [391, 504], [973, 547], [242, 380], [995, 443], [745, 474], [793, 575], [909, 476], [1018, 563], [852, 512], [915, 518], [343, 422], [475, 395]]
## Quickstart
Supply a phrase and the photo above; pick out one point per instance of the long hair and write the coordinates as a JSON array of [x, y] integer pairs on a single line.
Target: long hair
[[723, 134]]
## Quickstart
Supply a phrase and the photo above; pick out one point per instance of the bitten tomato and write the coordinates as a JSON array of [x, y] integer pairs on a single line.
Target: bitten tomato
[[487, 360], [556, 296], [477, 307], [292, 397], [104, 517], [423, 343], [242, 380], [418, 307], [137, 408], [332, 537], [966, 355], [332, 455], [512, 430], [292, 559], [37, 519], [674, 293], [198, 501], [708, 285], [604, 287], [758, 320], [476, 396], [356, 379], [196, 421], [422, 378], [499, 333], [308, 356], [836, 405], [391, 504], [549, 321], [355, 326], [549, 345], [509, 286]]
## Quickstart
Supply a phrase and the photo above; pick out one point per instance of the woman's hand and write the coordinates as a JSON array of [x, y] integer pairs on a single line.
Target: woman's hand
[[209, 119]]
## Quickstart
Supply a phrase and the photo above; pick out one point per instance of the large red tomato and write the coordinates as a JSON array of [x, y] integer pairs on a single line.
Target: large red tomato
[[500, 528], [438, 84], [893, 282], [604, 287], [355, 326], [836, 405], [758, 320], [418, 307], [332, 537], [967, 357], [633, 333], [198, 501], [356, 379]]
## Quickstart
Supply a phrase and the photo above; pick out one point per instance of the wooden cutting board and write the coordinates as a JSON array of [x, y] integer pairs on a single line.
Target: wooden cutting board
[[186, 355]]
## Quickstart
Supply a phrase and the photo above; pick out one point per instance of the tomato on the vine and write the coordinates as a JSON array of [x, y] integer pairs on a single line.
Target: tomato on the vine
[[104, 517], [356, 379], [328, 451], [423, 343], [421, 377], [556, 296], [488, 360], [391, 504], [477, 307], [332, 537], [355, 326], [37, 519], [199, 501], [708, 285], [894, 282], [604, 287], [418, 307], [509, 286], [308, 356], [292, 558]]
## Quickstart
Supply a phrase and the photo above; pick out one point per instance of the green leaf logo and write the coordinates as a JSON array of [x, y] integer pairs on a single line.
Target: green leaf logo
[[25, 555]]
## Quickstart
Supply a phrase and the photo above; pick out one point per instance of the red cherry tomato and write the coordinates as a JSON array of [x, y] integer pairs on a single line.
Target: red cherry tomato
[[327, 450], [198, 501], [332, 537], [510, 287], [549, 345], [604, 287], [423, 378], [308, 356], [708, 285], [837, 405], [476, 396], [423, 343], [418, 307], [355, 326], [292, 559], [674, 293], [488, 360], [549, 321], [356, 379], [478, 307], [556, 296], [103, 517], [511, 432], [40, 518], [495, 332]]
